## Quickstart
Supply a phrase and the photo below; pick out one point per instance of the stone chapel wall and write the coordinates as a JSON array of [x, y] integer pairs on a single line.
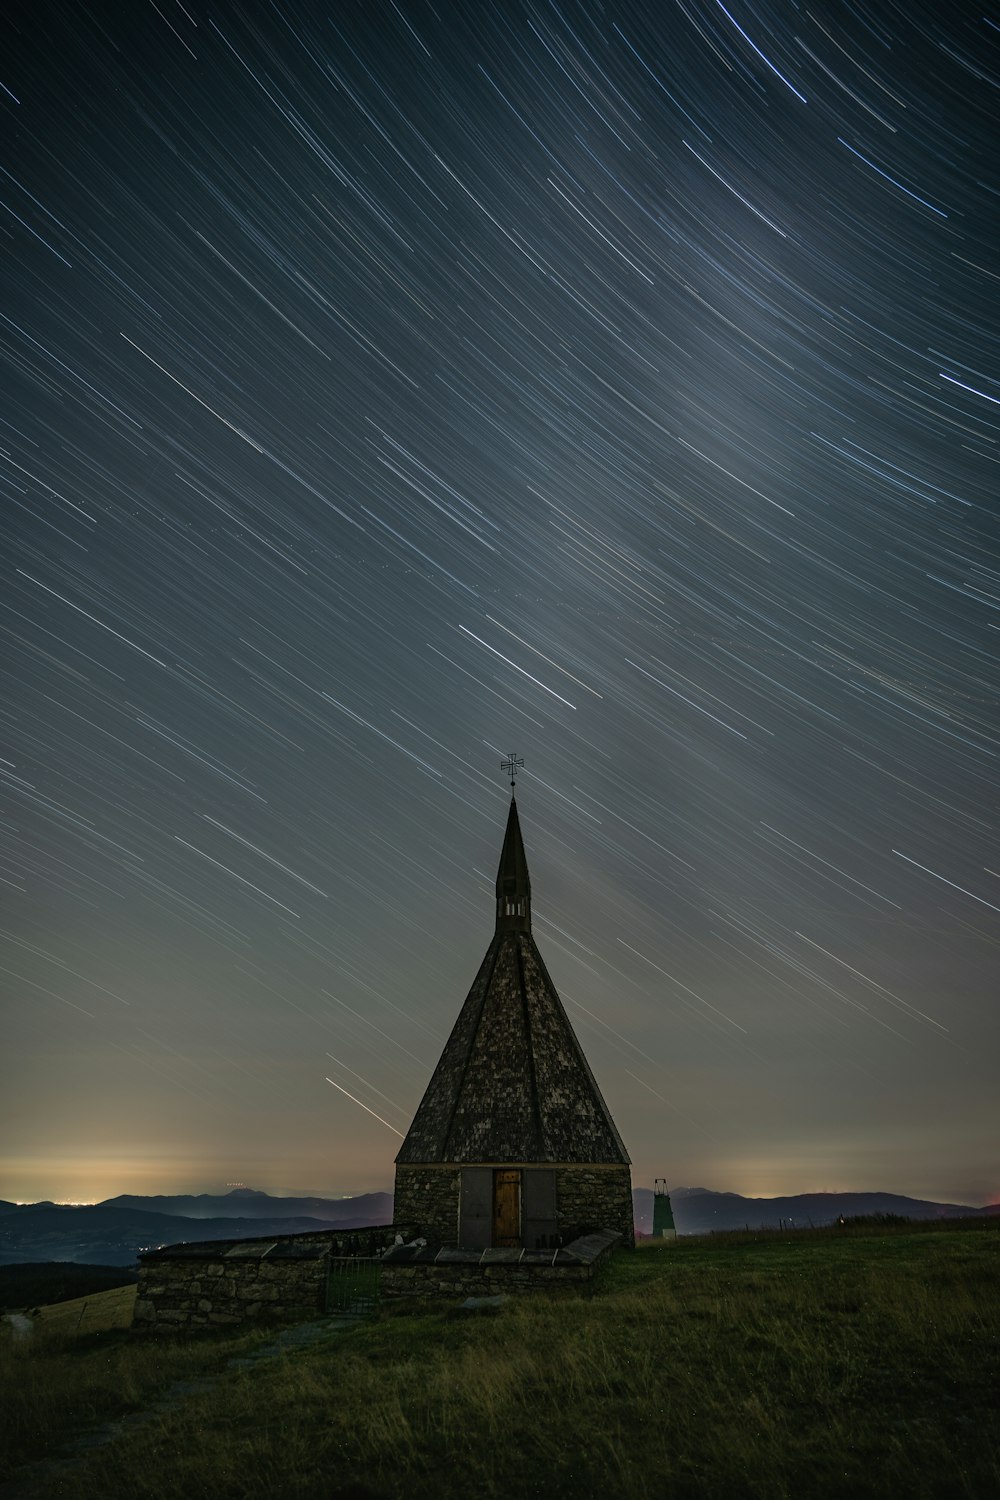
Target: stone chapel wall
[[595, 1197], [429, 1196]]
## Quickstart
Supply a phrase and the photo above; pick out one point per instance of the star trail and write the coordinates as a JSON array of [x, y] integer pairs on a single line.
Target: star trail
[[389, 386]]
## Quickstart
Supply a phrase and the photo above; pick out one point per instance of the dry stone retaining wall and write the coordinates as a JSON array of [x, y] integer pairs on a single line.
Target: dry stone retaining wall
[[228, 1282], [222, 1282], [211, 1293], [412, 1271], [455, 1281]]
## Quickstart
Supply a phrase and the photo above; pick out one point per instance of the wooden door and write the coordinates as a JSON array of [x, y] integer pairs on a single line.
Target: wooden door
[[507, 1208]]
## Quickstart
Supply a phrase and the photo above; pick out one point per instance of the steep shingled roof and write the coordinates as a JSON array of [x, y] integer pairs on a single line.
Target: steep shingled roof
[[513, 1083]]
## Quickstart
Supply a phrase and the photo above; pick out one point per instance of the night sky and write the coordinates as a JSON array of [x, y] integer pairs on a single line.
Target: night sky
[[389, 386]]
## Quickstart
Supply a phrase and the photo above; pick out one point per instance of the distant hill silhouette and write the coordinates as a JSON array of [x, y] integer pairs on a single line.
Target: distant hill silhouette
[[699, 1210], [113, 1232], [248, 1203]]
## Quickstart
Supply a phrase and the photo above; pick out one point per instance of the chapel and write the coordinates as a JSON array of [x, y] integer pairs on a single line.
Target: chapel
[[512, 1145]]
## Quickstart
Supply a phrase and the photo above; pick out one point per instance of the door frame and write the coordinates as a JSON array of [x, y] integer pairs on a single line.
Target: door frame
[[515, 1180]]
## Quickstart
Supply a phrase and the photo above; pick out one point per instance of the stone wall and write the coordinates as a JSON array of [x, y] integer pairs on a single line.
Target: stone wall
[[228, 1282], [595, 1197], [201, 1292], [413, 1271], [470, 1281], [222, 1282], [370, 1241], [428, 1196], [588, 1196]]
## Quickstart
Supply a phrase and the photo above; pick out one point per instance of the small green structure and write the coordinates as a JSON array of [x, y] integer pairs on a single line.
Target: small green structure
[[663, 1215]]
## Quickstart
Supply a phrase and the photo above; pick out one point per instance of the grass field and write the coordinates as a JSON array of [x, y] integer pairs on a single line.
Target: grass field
[[823, 1364], [94, 1314], [38, 1282]]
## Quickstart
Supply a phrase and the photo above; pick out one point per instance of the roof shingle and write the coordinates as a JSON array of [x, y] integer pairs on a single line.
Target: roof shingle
[[512, 1083]]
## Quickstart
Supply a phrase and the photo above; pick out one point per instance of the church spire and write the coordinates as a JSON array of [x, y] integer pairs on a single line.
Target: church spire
[[512, 1084], [513, 884]]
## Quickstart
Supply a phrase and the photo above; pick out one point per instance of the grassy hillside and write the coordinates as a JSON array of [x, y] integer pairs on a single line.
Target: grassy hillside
[[42, 1282], [863, 1364], [96, 1313]]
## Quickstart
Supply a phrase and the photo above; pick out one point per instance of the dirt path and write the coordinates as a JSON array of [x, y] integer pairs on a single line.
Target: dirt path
[[24, 1480]]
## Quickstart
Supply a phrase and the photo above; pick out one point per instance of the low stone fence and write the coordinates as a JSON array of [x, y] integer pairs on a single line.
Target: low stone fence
[[216, 1283], [424, 1271], [213, 1283]]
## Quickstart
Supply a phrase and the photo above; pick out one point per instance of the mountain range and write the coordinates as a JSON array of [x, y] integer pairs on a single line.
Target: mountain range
[[113, 1232], [248, 1203], [699, 1210]]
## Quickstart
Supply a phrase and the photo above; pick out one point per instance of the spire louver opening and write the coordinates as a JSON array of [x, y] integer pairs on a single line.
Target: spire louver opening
[[513, 885]]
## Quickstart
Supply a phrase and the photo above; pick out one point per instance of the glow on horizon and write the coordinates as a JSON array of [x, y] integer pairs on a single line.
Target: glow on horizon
[[139, 1185], [83, 1178]]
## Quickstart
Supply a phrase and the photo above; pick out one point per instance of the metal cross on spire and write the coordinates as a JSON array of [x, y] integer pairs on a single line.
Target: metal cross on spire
[[512, 764]]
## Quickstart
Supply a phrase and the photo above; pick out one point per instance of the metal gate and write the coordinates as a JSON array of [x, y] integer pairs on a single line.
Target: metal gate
[[352, 1286]]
